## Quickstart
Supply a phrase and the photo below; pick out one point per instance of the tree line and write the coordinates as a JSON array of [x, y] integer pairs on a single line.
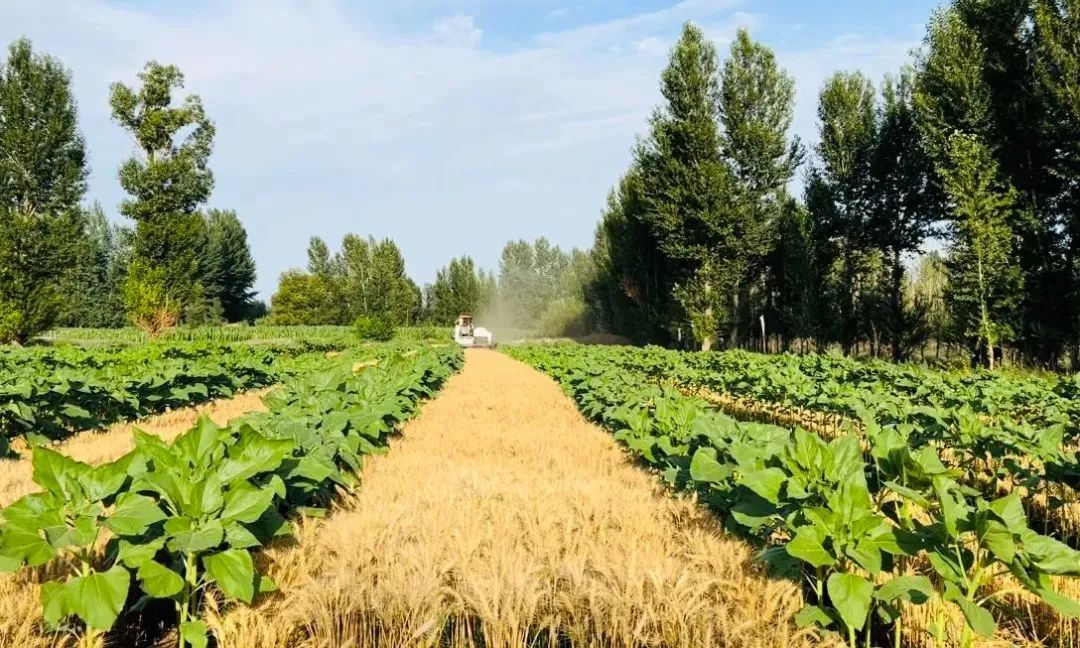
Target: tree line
[[538, 288], [943, 204], [61, 261]]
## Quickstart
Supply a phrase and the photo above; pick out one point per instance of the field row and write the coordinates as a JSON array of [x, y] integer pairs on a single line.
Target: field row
[[156, 532], [900, 535], [49, 393]]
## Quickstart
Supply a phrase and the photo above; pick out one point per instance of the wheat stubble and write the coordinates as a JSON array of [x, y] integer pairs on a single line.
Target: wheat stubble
[[502, 518]]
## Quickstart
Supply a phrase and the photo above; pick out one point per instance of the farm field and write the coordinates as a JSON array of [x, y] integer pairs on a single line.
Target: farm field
[[629, 497], [896, 506], [128, 547]]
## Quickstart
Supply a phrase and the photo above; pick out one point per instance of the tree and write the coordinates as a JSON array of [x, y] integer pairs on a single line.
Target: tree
[[42, 153], [757, 102], [794, 273], [147, 300], [686, 186], [984, 282], [91, 288], [393, 295], [839, 189], [228, 269], [34, 251], [169, 178], [457, 289], [906, 199], [304, 298]]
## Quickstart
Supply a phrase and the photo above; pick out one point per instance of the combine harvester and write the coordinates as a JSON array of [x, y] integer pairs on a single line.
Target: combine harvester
[[469, 337]]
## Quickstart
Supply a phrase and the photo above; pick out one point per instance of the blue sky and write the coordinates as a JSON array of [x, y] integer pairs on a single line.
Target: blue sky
[[450, 126]]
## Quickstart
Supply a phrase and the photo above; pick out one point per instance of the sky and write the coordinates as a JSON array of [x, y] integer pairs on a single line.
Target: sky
[[450, 126]]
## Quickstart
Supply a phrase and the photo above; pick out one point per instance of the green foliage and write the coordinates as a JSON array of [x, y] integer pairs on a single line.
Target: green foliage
[[147, 301], [227, 267], [984, 283], [170, 178], [185, 517], [44, 162], [867, 522], [35, 250], [374, 329], [366, 279], [305, 299], [459, 288]]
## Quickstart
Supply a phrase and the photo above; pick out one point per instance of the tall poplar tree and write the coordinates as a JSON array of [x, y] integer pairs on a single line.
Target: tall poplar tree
[[839, 191], [42, 153], [906, 197], [169, 178], [42, 179], [687, 188], [757, 105]]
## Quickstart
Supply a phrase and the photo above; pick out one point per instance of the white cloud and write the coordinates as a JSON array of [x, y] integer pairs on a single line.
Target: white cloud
[[459, 29], [327, 124]]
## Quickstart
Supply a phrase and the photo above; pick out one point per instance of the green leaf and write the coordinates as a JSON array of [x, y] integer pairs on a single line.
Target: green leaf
[[134, 554], [195, 634], [1062, 604], [1011, 511], [27, 546], [186, 539], [808, 545], [978, 618], [247, 503], [159, 581], [197, 445], [998, 539], [52, 471], [98, 597], [54, 604], [766, 483], [851, 595], [133, 514], [813, 615], [234, 572], [237, 536], [705, 468], [916, 589]]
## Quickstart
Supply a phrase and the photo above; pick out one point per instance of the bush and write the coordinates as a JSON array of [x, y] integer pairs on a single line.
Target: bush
[[374, 328]]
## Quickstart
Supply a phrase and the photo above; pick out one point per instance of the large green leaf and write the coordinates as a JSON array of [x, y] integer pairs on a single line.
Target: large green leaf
[[234, 573], [98, 597], [705, 468], [195, 634], [247, 503], [851, 595], [159, 581], [916, 589], [808, 545], [766, 483], [133, 514], [189, 538]]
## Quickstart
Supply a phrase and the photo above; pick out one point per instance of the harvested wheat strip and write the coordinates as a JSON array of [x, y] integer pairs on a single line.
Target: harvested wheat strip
[[502, 518], [96, 447]]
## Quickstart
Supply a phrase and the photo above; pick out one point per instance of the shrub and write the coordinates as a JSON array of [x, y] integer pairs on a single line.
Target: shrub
[[147, 301], [374, 328]]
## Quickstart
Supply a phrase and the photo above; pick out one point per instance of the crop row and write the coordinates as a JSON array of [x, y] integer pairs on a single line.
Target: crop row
[[180, 521], [875, 524], [1002, 430], [46, 394]]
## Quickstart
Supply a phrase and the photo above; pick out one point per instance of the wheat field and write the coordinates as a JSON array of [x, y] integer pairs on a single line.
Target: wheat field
[[502, 518]]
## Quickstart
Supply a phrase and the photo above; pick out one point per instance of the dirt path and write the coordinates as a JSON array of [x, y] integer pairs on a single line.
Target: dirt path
[[99, 447], [502, 516]]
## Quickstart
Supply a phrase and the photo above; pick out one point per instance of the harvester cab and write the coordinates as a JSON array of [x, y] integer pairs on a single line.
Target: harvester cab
[[466, 335]]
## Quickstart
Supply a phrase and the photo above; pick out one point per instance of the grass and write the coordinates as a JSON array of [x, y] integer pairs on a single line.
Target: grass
[[501, 518]]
